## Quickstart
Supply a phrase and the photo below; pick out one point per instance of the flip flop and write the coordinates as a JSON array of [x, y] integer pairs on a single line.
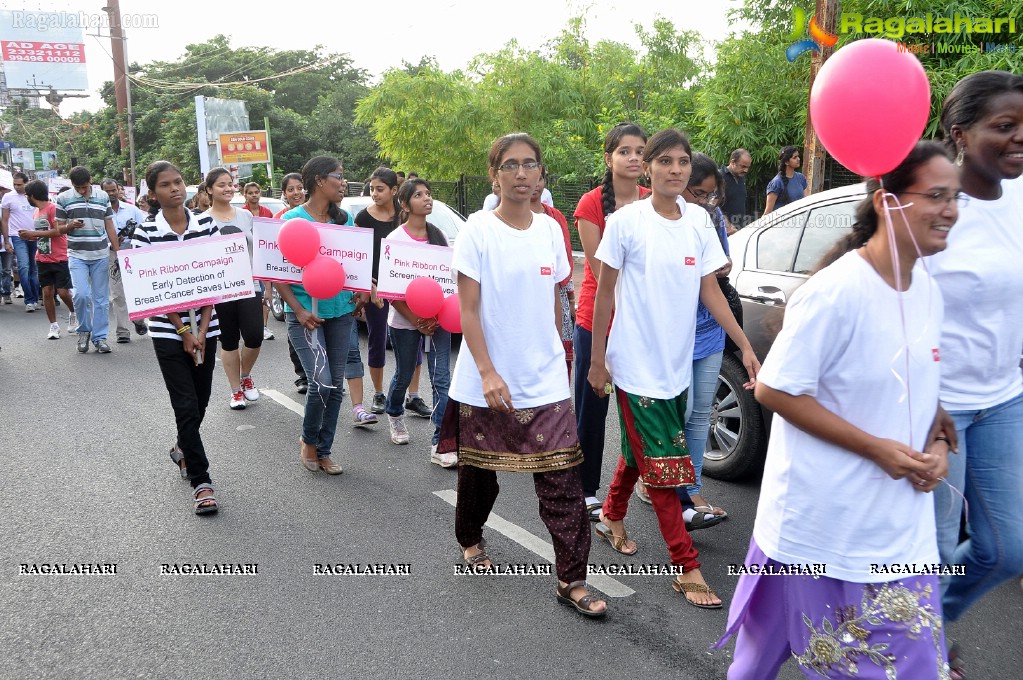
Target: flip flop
[[703, 520], [684, 588], [711, 510], [617, 542]]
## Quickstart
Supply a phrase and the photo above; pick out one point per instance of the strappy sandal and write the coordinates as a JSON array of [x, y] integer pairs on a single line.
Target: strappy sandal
[[582, 605], [684, 588], [617, 542], [475, 562], [207, 504], [177, 456]]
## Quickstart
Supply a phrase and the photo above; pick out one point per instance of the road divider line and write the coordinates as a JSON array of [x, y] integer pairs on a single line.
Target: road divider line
[[286, 402], [534, 544]]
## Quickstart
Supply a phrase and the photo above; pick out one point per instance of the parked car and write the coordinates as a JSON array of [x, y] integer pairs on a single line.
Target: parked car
[[771, 258], [444, 217]]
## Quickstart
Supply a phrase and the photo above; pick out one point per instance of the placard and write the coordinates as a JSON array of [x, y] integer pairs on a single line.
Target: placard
[[401, 262], [171, 277], [249, 146], [351, 246]]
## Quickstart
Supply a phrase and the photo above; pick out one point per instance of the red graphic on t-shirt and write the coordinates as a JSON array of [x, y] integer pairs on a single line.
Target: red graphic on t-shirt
[[690, 261], [936, 354], [545, 271]]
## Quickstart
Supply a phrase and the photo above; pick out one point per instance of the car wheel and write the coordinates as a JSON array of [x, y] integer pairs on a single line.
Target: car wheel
[[276, 305], [737, 441]]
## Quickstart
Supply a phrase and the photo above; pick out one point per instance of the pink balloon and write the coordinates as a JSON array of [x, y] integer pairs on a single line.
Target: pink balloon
[[424, 297], [450, 316], [323, 278], [869, 105], [299, 241]]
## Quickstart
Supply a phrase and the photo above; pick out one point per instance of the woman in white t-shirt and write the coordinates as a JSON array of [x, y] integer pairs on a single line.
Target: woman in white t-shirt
[[406, 329], [239, 319], [981, 387], [510, 408], [856, 445], [659, 258]]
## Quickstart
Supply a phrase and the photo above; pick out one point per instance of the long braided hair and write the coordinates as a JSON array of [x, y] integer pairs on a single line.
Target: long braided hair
[[894, 182], [611, 142]]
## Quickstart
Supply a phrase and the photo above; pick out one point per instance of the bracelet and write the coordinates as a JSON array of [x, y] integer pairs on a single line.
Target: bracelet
[[184, 329], [942, 438]]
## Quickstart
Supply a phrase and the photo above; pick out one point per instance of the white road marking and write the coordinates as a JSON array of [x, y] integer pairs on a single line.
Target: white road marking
[[604, 584], [286, 402]]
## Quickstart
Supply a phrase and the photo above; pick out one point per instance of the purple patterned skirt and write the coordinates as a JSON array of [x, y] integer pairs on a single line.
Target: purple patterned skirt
[[538, 439]]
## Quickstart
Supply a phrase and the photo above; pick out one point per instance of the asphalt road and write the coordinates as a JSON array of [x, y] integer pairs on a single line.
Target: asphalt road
[[87, 478]]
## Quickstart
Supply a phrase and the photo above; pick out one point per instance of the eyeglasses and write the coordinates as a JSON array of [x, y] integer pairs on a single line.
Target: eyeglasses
[[514, 167], [701, 195], [336, 175], [942, 198]]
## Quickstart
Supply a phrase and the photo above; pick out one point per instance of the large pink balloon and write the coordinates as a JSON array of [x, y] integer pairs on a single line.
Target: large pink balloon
[[299, 241], [869, 105], [323, 278], [450, 316], [424, 297]]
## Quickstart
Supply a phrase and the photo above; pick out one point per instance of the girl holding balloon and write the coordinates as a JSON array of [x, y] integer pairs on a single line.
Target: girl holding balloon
[[406, 328], [510, 407], [321, 338]]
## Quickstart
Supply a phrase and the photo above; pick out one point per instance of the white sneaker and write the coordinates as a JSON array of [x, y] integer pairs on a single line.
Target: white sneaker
[[54, 333], [237, 401], [30, 307], [267, 333], [72, 322], [18, 292], [445, 460], [399, 433], [249, 388]]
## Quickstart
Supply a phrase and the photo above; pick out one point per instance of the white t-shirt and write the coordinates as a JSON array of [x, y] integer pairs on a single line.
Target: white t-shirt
[[660, 263], [493, 200], [240, 224], [396, 319], [981, 278], [842, 343], [21, 215], [518, 272]]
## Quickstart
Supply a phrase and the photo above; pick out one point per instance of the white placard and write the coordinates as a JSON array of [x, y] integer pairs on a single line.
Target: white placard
[[55, 185], [129, 194], [170, 277], [6, 179], [401, 262], [351, 246]]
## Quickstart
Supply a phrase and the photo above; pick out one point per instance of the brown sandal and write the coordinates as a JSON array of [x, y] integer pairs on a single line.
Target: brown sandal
[[684, 588], [617, 542], [475, 561], [582, 605]]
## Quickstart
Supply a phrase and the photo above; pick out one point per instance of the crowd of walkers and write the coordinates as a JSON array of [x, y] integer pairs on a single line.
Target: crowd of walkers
[[895, 380]]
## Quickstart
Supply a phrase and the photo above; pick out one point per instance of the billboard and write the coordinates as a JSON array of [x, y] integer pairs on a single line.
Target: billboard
[[43, 50], [29, 159], [244, 147]]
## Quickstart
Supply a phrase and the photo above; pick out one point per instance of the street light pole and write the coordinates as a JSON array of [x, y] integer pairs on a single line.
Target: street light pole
[[122, 93]]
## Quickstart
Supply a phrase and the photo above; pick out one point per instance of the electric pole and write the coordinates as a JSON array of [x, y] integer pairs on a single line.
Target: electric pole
[[813, 152]]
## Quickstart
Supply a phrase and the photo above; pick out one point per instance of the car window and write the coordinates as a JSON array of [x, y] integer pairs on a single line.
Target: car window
[[444, 219], [824, 227], [776, 246]]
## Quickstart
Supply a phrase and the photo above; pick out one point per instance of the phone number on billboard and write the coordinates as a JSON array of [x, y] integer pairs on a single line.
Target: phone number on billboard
[[50, 59]]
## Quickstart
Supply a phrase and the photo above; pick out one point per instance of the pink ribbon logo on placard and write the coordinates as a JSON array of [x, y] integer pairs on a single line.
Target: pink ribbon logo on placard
[[387, 252], [127, 265]]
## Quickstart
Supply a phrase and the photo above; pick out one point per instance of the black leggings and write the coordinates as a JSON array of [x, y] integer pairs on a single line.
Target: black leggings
[[241, 319]]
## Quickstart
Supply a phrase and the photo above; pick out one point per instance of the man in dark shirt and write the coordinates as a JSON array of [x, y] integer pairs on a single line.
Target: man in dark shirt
[[734, 205]]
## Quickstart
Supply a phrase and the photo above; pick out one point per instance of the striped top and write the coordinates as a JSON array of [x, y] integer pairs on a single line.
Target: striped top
[[156, 230], [90, 241]]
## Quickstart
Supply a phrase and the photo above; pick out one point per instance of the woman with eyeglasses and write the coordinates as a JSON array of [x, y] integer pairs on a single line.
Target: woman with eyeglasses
[[788, 185], [323, 360], [839, 573], [510, 406], [981, 387]]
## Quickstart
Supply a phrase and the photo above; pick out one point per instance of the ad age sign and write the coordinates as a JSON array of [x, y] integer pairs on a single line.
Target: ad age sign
[[171, 277], [401, 262], [351, 246]]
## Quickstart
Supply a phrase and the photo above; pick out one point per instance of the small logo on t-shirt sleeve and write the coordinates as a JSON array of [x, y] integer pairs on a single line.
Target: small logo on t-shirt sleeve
[[690, 261], [936, 354], [545, 271]]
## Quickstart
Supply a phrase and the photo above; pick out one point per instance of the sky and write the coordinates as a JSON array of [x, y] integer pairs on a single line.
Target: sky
[[376, 34]]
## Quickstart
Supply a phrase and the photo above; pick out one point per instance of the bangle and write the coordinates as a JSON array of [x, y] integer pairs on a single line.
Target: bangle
[[942, 438], [184, 329]]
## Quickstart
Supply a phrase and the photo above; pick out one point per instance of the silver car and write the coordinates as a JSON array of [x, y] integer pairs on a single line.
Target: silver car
[[770, 259]]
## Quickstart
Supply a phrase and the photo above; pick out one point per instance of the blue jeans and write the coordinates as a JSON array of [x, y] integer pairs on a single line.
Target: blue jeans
[[91, 281], [6, 271], [701, 396], [989, 472], [353, 365], [326, 371], [25, 252], [405, 344], [590, 414]]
